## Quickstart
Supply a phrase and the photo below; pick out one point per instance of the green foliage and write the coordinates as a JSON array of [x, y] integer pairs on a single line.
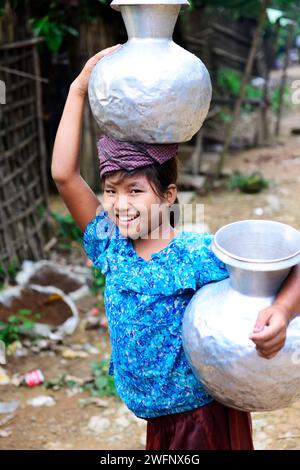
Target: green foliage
[[275, 98], [56, 20], [224, 116], [11, 270], [229, 83], [16, 325], [53, 28], [102, 384], [61, 382], [98, 281], [249, 8], [67, 230], [250, 184]]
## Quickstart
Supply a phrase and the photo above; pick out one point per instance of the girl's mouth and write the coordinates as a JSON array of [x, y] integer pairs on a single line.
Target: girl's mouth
[[127, 219]]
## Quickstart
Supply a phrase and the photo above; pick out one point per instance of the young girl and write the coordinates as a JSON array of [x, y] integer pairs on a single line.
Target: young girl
[[152, 273]]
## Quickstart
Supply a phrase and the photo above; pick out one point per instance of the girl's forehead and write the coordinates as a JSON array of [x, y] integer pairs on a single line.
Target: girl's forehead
[[130, 180]]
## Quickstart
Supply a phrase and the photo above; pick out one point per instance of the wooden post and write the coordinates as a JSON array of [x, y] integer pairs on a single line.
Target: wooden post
[[248, 69]]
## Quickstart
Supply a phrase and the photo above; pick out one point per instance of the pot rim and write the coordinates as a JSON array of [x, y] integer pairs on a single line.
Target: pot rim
[[232, 259], [116, 4]]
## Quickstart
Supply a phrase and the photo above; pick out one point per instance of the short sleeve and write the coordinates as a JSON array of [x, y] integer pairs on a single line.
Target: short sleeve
[[207, 267], [97, 237]]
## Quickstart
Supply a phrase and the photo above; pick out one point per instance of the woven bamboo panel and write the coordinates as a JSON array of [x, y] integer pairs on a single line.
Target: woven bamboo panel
[[23, 182]]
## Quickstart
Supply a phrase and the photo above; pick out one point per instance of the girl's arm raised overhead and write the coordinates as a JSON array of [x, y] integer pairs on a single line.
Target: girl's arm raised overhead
[[81, 201]]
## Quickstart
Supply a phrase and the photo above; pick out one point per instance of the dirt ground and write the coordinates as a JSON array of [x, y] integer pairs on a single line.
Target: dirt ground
[[69, 425]]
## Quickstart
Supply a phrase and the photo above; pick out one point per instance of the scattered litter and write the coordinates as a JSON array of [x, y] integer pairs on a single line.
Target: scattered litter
[[92, 319], [90, 349], [67, 381], [17, 380], [4, 378], [6, 419], [16, 349], [34, 378], [41, 400], [9, 407], [41, 345], [5, 432], [42, 286], [89, 323], [93, 401], [69, 353], [31, 379], [72, 280], [2, 353], [94, 312], [71, 392], [103, 323]]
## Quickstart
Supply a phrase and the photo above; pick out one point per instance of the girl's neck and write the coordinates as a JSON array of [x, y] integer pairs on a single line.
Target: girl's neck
[[156, 241]]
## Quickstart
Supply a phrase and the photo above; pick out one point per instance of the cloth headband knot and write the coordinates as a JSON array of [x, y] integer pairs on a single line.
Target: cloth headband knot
[[115, 155]]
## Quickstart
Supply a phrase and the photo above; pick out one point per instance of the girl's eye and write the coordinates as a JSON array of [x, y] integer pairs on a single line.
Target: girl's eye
[[110, 191], [136, 191]]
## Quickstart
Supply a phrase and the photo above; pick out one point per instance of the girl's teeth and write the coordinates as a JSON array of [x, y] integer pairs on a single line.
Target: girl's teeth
[[125, 219]]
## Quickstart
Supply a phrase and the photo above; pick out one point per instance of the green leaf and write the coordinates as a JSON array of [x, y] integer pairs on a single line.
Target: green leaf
[[24, 312], [28, 325], [13, 319]]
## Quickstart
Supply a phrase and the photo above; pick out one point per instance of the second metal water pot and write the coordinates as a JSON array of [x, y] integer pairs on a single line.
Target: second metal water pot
[[220, 317]]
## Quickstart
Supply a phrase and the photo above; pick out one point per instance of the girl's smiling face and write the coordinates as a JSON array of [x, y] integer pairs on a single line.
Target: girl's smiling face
[[135, 207]]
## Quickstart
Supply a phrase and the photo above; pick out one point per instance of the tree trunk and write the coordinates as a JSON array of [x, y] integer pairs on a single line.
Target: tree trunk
[[246, 76], [284, 77]]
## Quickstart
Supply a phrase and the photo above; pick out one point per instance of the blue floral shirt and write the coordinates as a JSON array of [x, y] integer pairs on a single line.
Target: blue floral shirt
[[145, 302]]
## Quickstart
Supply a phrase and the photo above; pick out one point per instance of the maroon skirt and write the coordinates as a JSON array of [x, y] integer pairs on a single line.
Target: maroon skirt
[[211, 427]]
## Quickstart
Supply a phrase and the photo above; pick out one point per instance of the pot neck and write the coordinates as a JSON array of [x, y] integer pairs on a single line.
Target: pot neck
[[150, 21], [257, 283]]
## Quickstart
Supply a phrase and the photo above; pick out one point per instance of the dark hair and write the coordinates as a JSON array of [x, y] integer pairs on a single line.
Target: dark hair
[[160, 176]]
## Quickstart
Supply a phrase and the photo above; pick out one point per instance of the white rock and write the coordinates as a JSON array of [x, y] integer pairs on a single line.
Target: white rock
[[41, 400], [143, 439], [122, 422], [5, 432], [258, 211], [97, 424], [259, 423]]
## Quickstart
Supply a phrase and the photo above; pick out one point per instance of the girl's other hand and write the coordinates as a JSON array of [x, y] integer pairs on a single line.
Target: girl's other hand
[[269, 332], [80, 84]]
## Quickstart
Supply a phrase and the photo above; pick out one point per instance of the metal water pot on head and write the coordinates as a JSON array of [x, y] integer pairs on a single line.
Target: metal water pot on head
[[218, 321], [150, 90]]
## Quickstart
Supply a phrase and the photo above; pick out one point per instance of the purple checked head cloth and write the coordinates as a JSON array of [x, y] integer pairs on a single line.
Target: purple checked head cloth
[[116, 155]]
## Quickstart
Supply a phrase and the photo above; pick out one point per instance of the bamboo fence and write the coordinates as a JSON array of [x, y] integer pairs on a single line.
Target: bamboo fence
[[23, 179]]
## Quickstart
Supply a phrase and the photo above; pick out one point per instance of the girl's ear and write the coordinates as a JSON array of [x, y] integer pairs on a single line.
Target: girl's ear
[[171, 194]]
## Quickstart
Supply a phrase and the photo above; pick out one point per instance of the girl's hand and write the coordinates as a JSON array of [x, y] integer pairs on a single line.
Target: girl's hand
[[80, 84], [269, 333]]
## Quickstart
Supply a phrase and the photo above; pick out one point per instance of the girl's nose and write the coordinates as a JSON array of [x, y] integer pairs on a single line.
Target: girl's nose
[[121, 203]]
